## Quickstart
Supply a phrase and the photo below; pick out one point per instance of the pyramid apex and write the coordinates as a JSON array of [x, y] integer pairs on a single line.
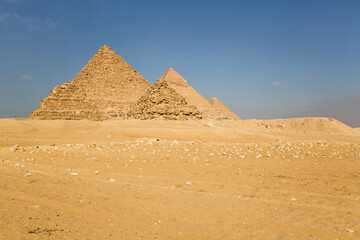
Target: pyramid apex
[[171, 76], [105, 48]]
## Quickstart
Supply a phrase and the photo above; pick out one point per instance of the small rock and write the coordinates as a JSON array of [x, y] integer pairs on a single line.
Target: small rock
[[28, 174], [112, 180], [188, 183], [74, 173], [97, 172], [14, 148]]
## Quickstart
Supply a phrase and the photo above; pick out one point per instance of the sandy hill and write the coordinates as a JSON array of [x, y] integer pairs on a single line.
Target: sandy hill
[[357, 130], [105, 88], [225, 111], [315, 125], [226, 130], [319, 125]]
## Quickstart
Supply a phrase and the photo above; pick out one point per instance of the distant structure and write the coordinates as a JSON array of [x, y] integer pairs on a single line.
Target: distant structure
[[162, 101], [173, 98], [109, 88], [225, 111]]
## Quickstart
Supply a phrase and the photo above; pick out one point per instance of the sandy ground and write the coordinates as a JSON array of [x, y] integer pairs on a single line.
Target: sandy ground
[[248, 179]]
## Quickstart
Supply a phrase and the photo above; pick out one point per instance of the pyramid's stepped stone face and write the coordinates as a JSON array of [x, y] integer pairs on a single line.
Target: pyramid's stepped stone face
[[225, 111], [105, 88], [180, 85], [163, 102], [108, 71], [68, 102]]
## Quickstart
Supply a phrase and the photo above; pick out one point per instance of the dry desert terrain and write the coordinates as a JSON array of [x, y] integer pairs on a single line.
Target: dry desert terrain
[[133, 179]]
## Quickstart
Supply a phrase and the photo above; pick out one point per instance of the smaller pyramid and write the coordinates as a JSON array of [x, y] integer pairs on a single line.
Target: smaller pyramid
[[163, 102], [192, 97], [225, 111]]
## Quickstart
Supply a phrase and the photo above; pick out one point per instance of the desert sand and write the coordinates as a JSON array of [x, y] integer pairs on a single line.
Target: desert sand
[[205, 179]]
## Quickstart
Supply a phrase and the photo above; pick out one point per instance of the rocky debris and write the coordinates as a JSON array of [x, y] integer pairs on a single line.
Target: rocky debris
[[14, 148], [45, 231], [276, 149], [105, 88]]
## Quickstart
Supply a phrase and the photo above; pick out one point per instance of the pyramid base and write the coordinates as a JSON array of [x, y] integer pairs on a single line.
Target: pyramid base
[[69, 115]]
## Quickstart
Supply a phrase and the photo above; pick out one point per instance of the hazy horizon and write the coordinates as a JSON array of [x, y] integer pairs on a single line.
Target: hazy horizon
[[264, 60]]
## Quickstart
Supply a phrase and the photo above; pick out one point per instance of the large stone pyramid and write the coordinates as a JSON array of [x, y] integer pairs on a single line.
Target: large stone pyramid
[[225, 111], [105, 88]]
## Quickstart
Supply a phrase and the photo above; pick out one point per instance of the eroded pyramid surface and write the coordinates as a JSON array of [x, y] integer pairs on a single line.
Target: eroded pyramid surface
[[105, 88], [163, 102]]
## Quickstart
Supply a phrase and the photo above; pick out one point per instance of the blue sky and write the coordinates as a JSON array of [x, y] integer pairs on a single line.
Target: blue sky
[[263, 59]]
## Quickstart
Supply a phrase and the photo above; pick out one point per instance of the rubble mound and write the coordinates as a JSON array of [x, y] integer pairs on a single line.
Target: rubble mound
[[105, 88], [163, 102]]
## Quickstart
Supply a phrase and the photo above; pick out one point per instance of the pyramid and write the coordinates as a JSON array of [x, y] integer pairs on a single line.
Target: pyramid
[[163, 102], [225, 111], [192, 97], [105, 88]]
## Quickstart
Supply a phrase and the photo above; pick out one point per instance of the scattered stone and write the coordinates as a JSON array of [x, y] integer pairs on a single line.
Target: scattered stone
[[14, 148]]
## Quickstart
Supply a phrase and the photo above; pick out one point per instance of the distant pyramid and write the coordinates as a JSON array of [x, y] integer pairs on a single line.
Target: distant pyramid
[[192, 97], [163, 102], [225, 111], [105, 88]]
